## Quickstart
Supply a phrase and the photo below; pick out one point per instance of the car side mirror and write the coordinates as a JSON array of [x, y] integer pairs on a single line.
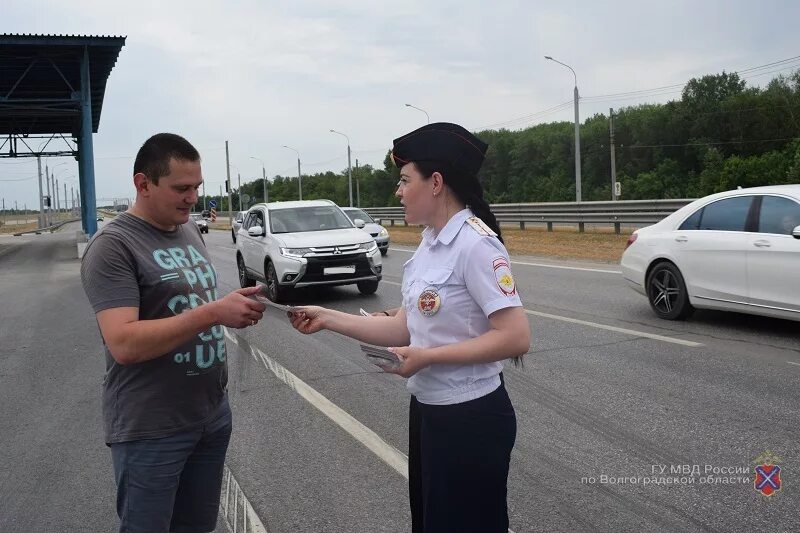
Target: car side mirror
[[796, 232], [256, 231], [359, 223]]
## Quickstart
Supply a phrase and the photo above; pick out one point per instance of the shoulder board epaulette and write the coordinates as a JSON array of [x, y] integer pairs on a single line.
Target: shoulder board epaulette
[[480, 226]]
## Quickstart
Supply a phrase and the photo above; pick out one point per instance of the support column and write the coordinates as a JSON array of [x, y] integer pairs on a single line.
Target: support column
[[86, 154]]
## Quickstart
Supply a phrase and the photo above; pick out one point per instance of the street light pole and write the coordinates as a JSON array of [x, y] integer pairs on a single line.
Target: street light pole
[[419, 109], [577, 132], [264, 177], [299, 176], [349, 168]]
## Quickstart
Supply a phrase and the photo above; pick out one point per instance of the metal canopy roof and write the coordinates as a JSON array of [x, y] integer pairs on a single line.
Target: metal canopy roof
[[40, 81]]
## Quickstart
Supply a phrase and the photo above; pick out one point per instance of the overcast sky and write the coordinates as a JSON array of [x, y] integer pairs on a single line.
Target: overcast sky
[[263, 74]]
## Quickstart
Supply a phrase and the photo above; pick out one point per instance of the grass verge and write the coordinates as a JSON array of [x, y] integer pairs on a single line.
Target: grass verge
[[563, 243]]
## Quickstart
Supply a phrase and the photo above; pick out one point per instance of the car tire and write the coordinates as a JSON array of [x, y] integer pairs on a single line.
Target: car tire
[[384, 251], [666, 292], [367, 287], [244, 278], [275, 292], [233, 236]]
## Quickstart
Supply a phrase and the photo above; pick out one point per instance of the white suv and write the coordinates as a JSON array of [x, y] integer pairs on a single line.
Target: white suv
[[303, 244]]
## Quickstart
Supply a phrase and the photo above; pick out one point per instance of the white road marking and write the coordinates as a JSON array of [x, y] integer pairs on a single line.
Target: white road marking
[[626, 331], [235, 508], [584, 269], [543, 265], [385, 451]]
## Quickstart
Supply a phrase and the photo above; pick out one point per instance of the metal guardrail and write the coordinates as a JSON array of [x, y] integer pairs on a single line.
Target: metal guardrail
[[627, 212], [51, 229]]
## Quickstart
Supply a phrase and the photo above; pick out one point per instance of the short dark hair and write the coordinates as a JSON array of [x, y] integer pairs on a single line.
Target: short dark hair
[[153, 157]]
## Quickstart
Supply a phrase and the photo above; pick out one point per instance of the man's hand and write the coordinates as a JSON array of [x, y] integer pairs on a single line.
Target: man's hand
[[239, 309]]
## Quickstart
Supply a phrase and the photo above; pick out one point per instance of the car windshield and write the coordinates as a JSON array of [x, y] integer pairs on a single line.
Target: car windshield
[[307, 219], [196, 216], [353, 214]]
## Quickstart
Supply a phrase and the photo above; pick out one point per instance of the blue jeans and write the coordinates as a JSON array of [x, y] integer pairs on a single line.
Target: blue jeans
[[172, 484]]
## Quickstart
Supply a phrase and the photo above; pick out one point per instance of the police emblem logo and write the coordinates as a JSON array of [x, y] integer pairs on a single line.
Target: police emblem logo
[[502, 273], [429, 302]]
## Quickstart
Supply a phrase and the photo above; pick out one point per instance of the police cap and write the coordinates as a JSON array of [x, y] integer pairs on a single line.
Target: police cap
[[441, 141]]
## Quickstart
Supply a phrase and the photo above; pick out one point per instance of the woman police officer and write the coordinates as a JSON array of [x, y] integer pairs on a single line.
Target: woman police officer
[[461, 316]]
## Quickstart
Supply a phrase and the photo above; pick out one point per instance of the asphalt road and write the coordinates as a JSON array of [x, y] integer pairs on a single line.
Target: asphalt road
[[608, 399]]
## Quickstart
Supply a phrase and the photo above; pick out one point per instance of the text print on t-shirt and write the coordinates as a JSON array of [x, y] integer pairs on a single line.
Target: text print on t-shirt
[[202, 278]]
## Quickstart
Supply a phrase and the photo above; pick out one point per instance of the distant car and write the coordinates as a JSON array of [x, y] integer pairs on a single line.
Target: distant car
[[201, 222], [304, 244], [237, 223], [376, 231], [733, 251], [205, 213], [99, 218]]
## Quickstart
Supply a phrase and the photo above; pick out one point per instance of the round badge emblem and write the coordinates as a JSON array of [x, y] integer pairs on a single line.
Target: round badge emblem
[[505, 281], [429, 302]]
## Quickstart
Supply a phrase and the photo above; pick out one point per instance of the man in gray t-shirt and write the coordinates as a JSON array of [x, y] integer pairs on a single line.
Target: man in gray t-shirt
[[149, 280]]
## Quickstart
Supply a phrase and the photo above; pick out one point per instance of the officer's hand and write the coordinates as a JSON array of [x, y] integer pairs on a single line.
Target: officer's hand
[[307, 318], [413, 360], [240, 309]]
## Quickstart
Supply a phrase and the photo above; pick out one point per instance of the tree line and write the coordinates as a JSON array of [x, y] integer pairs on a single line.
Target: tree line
[[719, 135]]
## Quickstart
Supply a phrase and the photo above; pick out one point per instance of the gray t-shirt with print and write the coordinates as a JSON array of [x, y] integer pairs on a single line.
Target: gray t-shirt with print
[[131, 263]]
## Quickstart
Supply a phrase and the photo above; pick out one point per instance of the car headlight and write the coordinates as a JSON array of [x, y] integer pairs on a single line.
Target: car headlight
[[295, 252], [384, 233], [368, 246]]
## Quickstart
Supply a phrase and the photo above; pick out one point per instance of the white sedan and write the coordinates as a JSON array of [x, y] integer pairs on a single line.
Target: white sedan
[[735, 251]]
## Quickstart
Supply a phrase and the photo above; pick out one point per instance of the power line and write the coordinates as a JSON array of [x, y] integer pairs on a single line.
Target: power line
[[530, 116], [790, 62], [635, 146], [673, 88], [22, 179]]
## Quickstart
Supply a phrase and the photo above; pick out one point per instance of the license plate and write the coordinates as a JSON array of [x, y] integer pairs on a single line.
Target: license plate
[[339, 270]]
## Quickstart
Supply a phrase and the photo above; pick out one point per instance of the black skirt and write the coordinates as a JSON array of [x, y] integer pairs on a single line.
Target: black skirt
[[458, 464]]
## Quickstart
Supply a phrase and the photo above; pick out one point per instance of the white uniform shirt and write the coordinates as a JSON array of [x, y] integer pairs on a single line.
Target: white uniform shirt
[[451, 285]]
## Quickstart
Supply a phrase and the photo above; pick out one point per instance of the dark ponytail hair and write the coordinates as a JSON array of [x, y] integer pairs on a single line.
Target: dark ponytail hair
[[466, 187]]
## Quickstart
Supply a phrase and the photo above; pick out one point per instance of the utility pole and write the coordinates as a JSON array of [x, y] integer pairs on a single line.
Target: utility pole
[[358, 188], [204, 196], [41, 199], [49, 198], [577, 131], [578, 178], [239, 177], [299, 180], [228, 185], [264, 177], [613, 156], [55, 193]]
